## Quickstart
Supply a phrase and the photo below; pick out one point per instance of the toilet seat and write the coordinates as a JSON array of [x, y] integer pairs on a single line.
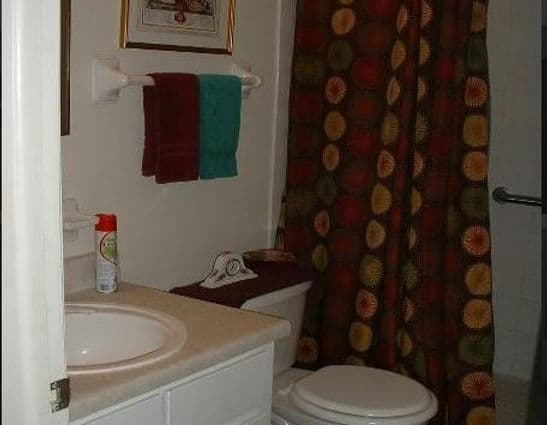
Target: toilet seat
[[355, 395]]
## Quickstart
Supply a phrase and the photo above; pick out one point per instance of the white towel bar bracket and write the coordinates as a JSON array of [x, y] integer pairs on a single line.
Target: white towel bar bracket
[[108, 80]]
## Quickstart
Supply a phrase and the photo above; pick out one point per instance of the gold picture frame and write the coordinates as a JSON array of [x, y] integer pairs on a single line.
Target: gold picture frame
[[175, 39], [65, 67]]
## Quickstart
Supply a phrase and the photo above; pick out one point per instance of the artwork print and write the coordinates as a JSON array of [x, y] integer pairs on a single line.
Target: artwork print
[[180, 15], [202, 26]]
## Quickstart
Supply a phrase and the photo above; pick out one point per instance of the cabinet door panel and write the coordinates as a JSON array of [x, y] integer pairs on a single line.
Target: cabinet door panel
[[146, 412], [238, 394]]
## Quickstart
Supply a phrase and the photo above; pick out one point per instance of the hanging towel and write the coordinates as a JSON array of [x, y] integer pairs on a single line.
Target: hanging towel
[[171, 109], [220, 108]]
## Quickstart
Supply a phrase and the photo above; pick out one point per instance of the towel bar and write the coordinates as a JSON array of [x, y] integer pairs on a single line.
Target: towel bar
[[502, 196], [108, 80]]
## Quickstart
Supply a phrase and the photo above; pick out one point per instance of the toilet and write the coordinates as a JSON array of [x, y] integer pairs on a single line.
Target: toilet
[[335, 395]]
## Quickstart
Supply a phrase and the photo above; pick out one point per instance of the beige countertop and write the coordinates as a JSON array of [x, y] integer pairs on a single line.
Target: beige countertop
[[215, 333]]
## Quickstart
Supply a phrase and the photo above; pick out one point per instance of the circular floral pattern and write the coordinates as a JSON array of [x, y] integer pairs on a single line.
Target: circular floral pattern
[[404, 343], [335, 125], [476, 92], [415, 201], [335, 90], [340, 55], [412, 237], [360, 337], [306, 107], [427, 14], [320, 257], [476, 349], [478, 279], [425, 52], [409, 309], [303, 141], [402, 18], [422, 89], [365, 108], [410, 275], [374, 38], [344, 245], [349, 210], [481, 415], [478, 386], [375, 234], [475, 166], [419, 165], [478, 17], [475, 131], [331, 157], [371, 271], [355, 177], [476, 240], [311, 37], [362, 142], [390, 128], [398, 55], [343, 21], [326, 190], [380, 200], [368, 73], [477, 314], [393, 91], [385, 164], [309, 70], [474, 202], [300, 203], [422, 128], [380, 10], [366, 304], [321, 223]]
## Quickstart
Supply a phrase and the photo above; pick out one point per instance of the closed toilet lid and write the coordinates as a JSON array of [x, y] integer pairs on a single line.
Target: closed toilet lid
[[362, 391]]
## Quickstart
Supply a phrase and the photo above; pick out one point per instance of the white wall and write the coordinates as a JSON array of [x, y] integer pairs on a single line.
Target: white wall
[[171, 233], [514, 39]]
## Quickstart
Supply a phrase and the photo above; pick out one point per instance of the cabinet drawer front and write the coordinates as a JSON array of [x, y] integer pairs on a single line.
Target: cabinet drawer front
[[146, 412], [237, 394]]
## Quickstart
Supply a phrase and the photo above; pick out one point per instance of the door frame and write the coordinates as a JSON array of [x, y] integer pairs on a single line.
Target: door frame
[[32, 260]]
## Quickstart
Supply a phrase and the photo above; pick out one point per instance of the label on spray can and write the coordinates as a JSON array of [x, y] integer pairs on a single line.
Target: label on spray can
[[106, 249]]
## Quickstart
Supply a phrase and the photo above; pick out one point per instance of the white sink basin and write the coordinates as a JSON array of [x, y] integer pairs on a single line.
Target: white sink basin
[[107, 338]]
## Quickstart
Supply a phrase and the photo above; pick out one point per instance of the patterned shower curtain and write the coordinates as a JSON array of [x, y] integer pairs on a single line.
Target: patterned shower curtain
[[386, 193]]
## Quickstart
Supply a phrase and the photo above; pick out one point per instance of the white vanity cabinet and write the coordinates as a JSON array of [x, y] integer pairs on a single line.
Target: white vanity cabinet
[[234, 392]]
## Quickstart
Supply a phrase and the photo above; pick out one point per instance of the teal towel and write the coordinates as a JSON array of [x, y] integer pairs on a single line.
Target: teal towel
[[220, 109]]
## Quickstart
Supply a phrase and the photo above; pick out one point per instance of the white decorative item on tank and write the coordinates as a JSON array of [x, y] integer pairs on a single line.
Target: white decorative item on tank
[[228, 268]]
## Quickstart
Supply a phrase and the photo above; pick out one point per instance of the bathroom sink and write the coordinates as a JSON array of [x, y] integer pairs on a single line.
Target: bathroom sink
[[112, 337]]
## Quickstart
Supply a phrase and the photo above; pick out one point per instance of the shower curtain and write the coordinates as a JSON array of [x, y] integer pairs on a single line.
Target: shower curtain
[[386, 193]]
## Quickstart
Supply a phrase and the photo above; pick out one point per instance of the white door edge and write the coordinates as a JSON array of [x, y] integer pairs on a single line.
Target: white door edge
[[32, 267]]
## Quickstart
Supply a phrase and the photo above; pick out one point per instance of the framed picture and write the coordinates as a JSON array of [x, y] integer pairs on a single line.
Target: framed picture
[[184, 25], [65, 67]]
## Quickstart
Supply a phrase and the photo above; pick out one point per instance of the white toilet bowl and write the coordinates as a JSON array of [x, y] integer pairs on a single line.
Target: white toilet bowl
[[349, 395], [335, 395]]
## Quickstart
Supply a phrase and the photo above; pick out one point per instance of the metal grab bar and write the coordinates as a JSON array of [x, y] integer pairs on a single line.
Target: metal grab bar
[[502, 195]]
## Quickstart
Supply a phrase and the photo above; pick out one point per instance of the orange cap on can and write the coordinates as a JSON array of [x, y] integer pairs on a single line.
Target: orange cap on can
[[107, 223]]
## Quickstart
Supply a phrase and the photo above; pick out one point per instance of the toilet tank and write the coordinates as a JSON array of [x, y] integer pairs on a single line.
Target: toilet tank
[[287, 303]]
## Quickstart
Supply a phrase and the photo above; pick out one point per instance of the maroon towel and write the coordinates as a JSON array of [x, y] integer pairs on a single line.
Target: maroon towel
[[171, 120], [271, 277]]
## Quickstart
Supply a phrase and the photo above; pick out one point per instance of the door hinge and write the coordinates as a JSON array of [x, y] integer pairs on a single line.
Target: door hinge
[[60, 394]]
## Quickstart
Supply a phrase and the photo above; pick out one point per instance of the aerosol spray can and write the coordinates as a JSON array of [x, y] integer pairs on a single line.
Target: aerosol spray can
[[106, 249]]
